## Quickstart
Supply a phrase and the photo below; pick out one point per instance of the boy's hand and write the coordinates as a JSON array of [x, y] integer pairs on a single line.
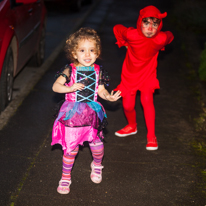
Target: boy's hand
[[113, 97]]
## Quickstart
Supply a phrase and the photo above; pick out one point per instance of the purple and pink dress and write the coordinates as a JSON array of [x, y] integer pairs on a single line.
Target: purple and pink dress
[[81, 118]]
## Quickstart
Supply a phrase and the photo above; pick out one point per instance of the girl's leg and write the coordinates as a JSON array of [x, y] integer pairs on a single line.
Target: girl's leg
[[129, 110], [97, 150], [149, 114], [67, 164]]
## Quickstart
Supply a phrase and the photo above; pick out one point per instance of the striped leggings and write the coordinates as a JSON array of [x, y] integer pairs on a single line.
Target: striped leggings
[[97, 150]]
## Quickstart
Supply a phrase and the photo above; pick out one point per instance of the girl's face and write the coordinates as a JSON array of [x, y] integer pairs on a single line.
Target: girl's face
[[86, 53], [149, 28]]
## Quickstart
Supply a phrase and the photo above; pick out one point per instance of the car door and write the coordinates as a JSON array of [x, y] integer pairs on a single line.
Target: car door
[[28, 15]]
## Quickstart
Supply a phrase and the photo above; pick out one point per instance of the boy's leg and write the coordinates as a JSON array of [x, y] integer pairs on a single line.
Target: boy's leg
[[149, 114], [129, 110], [97, 150], [67, 164]]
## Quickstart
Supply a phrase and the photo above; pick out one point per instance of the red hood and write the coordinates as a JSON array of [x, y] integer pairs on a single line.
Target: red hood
[[150, 11]]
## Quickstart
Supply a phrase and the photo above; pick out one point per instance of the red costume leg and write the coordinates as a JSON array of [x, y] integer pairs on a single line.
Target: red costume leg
[[129, 109], [149, 114], [130, 113]]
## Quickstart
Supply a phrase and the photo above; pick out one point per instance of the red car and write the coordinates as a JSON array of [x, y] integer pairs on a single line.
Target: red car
[[22, 36]]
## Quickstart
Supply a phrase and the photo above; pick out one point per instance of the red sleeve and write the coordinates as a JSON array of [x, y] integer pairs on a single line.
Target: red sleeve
[[170, 37], [120, 33]]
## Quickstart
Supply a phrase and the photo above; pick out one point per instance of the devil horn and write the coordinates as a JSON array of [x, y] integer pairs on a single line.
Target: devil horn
[[163, 15]]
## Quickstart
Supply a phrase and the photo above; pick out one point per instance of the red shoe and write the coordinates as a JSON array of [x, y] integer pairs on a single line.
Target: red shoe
[[152, 145], [126, 131]]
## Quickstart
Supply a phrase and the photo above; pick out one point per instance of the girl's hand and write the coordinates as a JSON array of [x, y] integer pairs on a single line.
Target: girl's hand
[[112, 97], [77, 86]]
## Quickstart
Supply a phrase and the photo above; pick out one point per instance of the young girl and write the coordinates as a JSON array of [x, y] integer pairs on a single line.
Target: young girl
[[81, 118]]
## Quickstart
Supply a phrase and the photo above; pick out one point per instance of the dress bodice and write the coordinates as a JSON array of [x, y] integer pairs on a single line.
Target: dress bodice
[[89, 76]]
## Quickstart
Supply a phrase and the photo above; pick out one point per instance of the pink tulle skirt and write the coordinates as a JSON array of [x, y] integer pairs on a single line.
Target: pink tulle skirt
[[78, 122]]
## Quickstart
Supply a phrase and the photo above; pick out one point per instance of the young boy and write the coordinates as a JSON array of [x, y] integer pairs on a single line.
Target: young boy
[[139, 69]]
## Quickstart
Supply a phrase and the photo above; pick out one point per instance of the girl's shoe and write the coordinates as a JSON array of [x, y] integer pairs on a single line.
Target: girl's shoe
[[62, 189], [95, 177]]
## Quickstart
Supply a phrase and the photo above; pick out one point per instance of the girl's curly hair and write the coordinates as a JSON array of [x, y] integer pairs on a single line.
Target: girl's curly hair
[[74, 39]]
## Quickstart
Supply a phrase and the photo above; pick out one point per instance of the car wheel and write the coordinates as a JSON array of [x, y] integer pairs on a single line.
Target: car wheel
[[40, 54], [6, 81]]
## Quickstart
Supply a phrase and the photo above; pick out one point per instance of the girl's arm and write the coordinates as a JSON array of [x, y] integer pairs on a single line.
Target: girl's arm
[[104, 94], [59, 85]]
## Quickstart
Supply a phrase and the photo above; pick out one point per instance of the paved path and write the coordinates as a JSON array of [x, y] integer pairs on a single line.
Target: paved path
[[132, 175]]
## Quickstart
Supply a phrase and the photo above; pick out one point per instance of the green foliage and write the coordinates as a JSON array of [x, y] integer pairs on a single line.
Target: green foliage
[[202, 68]]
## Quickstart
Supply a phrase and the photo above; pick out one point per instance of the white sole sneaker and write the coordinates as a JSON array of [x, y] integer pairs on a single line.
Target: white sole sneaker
[[125, 135], [151, 148]]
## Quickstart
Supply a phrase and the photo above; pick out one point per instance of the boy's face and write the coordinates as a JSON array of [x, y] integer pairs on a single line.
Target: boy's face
[[149, 28]]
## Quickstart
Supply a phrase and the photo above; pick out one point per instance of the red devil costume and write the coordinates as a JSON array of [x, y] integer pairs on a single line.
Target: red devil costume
[[139, 71]]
